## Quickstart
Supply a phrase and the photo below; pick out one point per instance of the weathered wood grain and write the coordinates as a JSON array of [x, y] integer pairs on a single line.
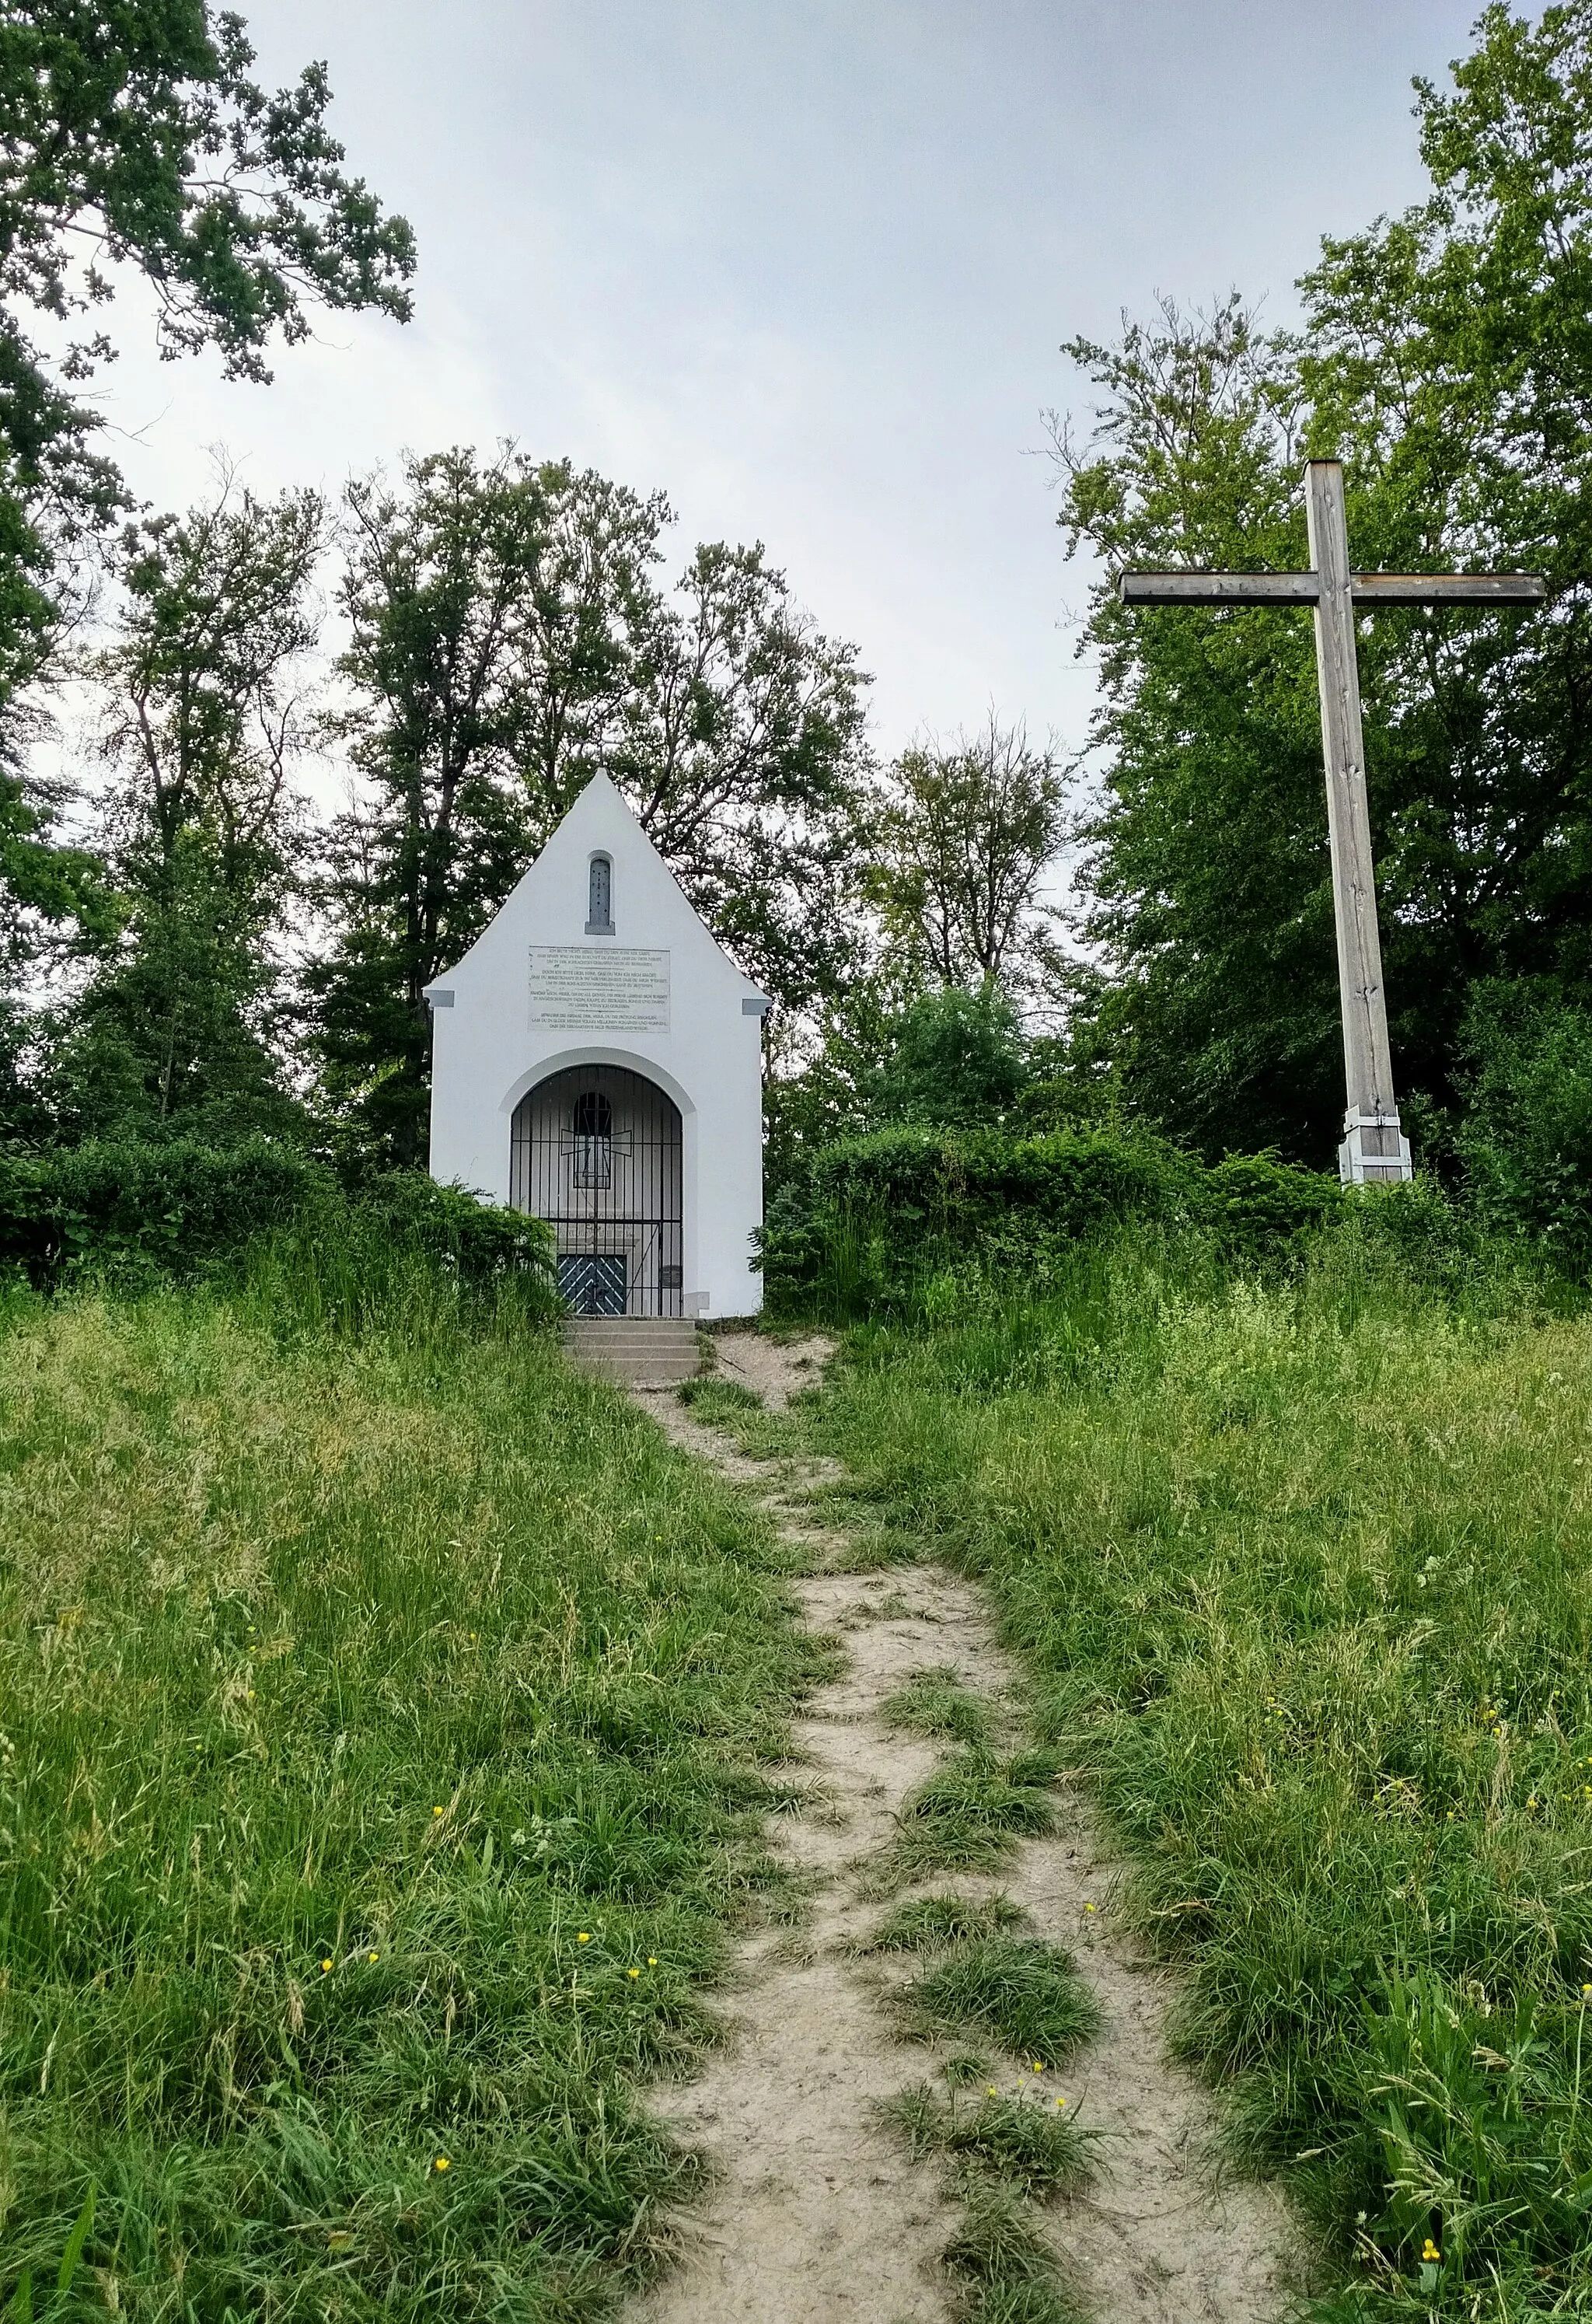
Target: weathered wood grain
[[1366, 589]]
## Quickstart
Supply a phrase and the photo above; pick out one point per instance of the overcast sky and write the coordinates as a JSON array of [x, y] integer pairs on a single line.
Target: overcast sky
[[806, 264]]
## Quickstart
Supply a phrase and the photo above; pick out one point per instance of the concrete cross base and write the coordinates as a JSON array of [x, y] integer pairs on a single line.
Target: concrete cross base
[[1375, 1152]]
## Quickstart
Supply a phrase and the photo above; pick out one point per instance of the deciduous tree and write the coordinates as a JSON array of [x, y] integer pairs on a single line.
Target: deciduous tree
[[205, 688], [963, 834], [510, 634], [136, 144]]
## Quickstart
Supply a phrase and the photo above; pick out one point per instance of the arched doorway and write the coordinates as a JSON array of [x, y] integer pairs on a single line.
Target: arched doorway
[[596, 1151]]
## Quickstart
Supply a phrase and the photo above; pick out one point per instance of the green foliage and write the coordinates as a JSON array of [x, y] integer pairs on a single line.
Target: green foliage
[[884, 1222], [935, 1702], [19, 2308], [134, 133], [1526, 1139], [950, 1055], [205, 712], [886, 1052], [1303, 1569], [375, 1794], [168, 1206], [230, 201], [1002, 2253], [960, 835], [140, 1210], [713, 1400], [1209, 871], [1024, 2144], [401, 1247], [971, 1813], [1032, 2298]]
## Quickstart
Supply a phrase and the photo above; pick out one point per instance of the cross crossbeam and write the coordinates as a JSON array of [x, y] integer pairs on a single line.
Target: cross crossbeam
[[1366, 589], [1374, 1146]]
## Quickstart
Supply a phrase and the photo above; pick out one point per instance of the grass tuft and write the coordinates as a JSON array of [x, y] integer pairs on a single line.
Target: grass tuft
[[999, 2241], [1034, 2148], [929, 1923], [1029, 2301], [1016, 1991], [936, 1703], [971, 1814], [711, 1398]]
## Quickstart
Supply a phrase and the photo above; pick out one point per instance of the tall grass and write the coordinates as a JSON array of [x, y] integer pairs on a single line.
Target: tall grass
[[379, 1708], [1303, 1570]]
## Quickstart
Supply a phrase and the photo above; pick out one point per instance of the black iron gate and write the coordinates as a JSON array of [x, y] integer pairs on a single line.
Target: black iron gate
[[596, 1151]]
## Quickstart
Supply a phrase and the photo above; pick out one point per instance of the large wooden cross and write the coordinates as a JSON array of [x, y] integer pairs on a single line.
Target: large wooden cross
[[1374, 1146]]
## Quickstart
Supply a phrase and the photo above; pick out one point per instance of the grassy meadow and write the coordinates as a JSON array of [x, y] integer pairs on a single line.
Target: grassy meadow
[[380, 1712], [1302, 1571]]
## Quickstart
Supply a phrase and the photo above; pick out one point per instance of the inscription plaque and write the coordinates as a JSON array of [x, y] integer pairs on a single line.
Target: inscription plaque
[[599, 988]]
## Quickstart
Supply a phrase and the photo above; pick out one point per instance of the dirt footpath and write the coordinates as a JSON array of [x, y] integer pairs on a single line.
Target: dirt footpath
[[816, 2214]]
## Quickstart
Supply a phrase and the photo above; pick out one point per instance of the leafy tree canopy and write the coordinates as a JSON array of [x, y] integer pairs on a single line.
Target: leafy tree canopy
[[511, 633], [963, 834], [136, 140], [204, 687]]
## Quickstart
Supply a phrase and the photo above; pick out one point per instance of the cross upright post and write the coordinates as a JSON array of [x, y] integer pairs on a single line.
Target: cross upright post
[[1372, 1134], [1374, 1146]]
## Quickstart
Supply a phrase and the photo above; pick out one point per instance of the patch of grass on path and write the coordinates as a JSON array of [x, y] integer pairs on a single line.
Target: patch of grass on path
[[1304, 1575], [926, 1922], [1025, 2143], [971, 1813], [936, 1703], [1016, 1991], [377, 1790]]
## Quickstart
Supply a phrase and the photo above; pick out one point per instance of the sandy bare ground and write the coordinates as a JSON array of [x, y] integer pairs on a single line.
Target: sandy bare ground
[[815, 2214]]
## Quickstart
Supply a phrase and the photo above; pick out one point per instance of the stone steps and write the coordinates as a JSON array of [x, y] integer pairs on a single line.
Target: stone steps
[[643, 1352]]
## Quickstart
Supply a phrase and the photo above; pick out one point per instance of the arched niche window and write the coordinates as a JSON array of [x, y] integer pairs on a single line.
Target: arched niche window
[[593, 1140], [599, 897]]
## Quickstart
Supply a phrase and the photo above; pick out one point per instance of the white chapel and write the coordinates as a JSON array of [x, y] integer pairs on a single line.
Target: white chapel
[[597, 1061]]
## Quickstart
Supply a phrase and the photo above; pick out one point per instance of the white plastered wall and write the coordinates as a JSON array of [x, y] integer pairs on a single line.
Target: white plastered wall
[[486, 1053]]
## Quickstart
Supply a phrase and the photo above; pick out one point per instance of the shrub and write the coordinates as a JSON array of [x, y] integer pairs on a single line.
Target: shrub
[[142, 1210], [875, 1220], [166, 1207], [1526, 1141]]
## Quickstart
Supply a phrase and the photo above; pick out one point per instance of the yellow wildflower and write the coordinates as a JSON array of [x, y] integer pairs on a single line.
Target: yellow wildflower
[[442, 2163], [652, 1960], [1429, 2251], [375, 1957], [436, 1811], [324, 1967], [585, 1938]]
